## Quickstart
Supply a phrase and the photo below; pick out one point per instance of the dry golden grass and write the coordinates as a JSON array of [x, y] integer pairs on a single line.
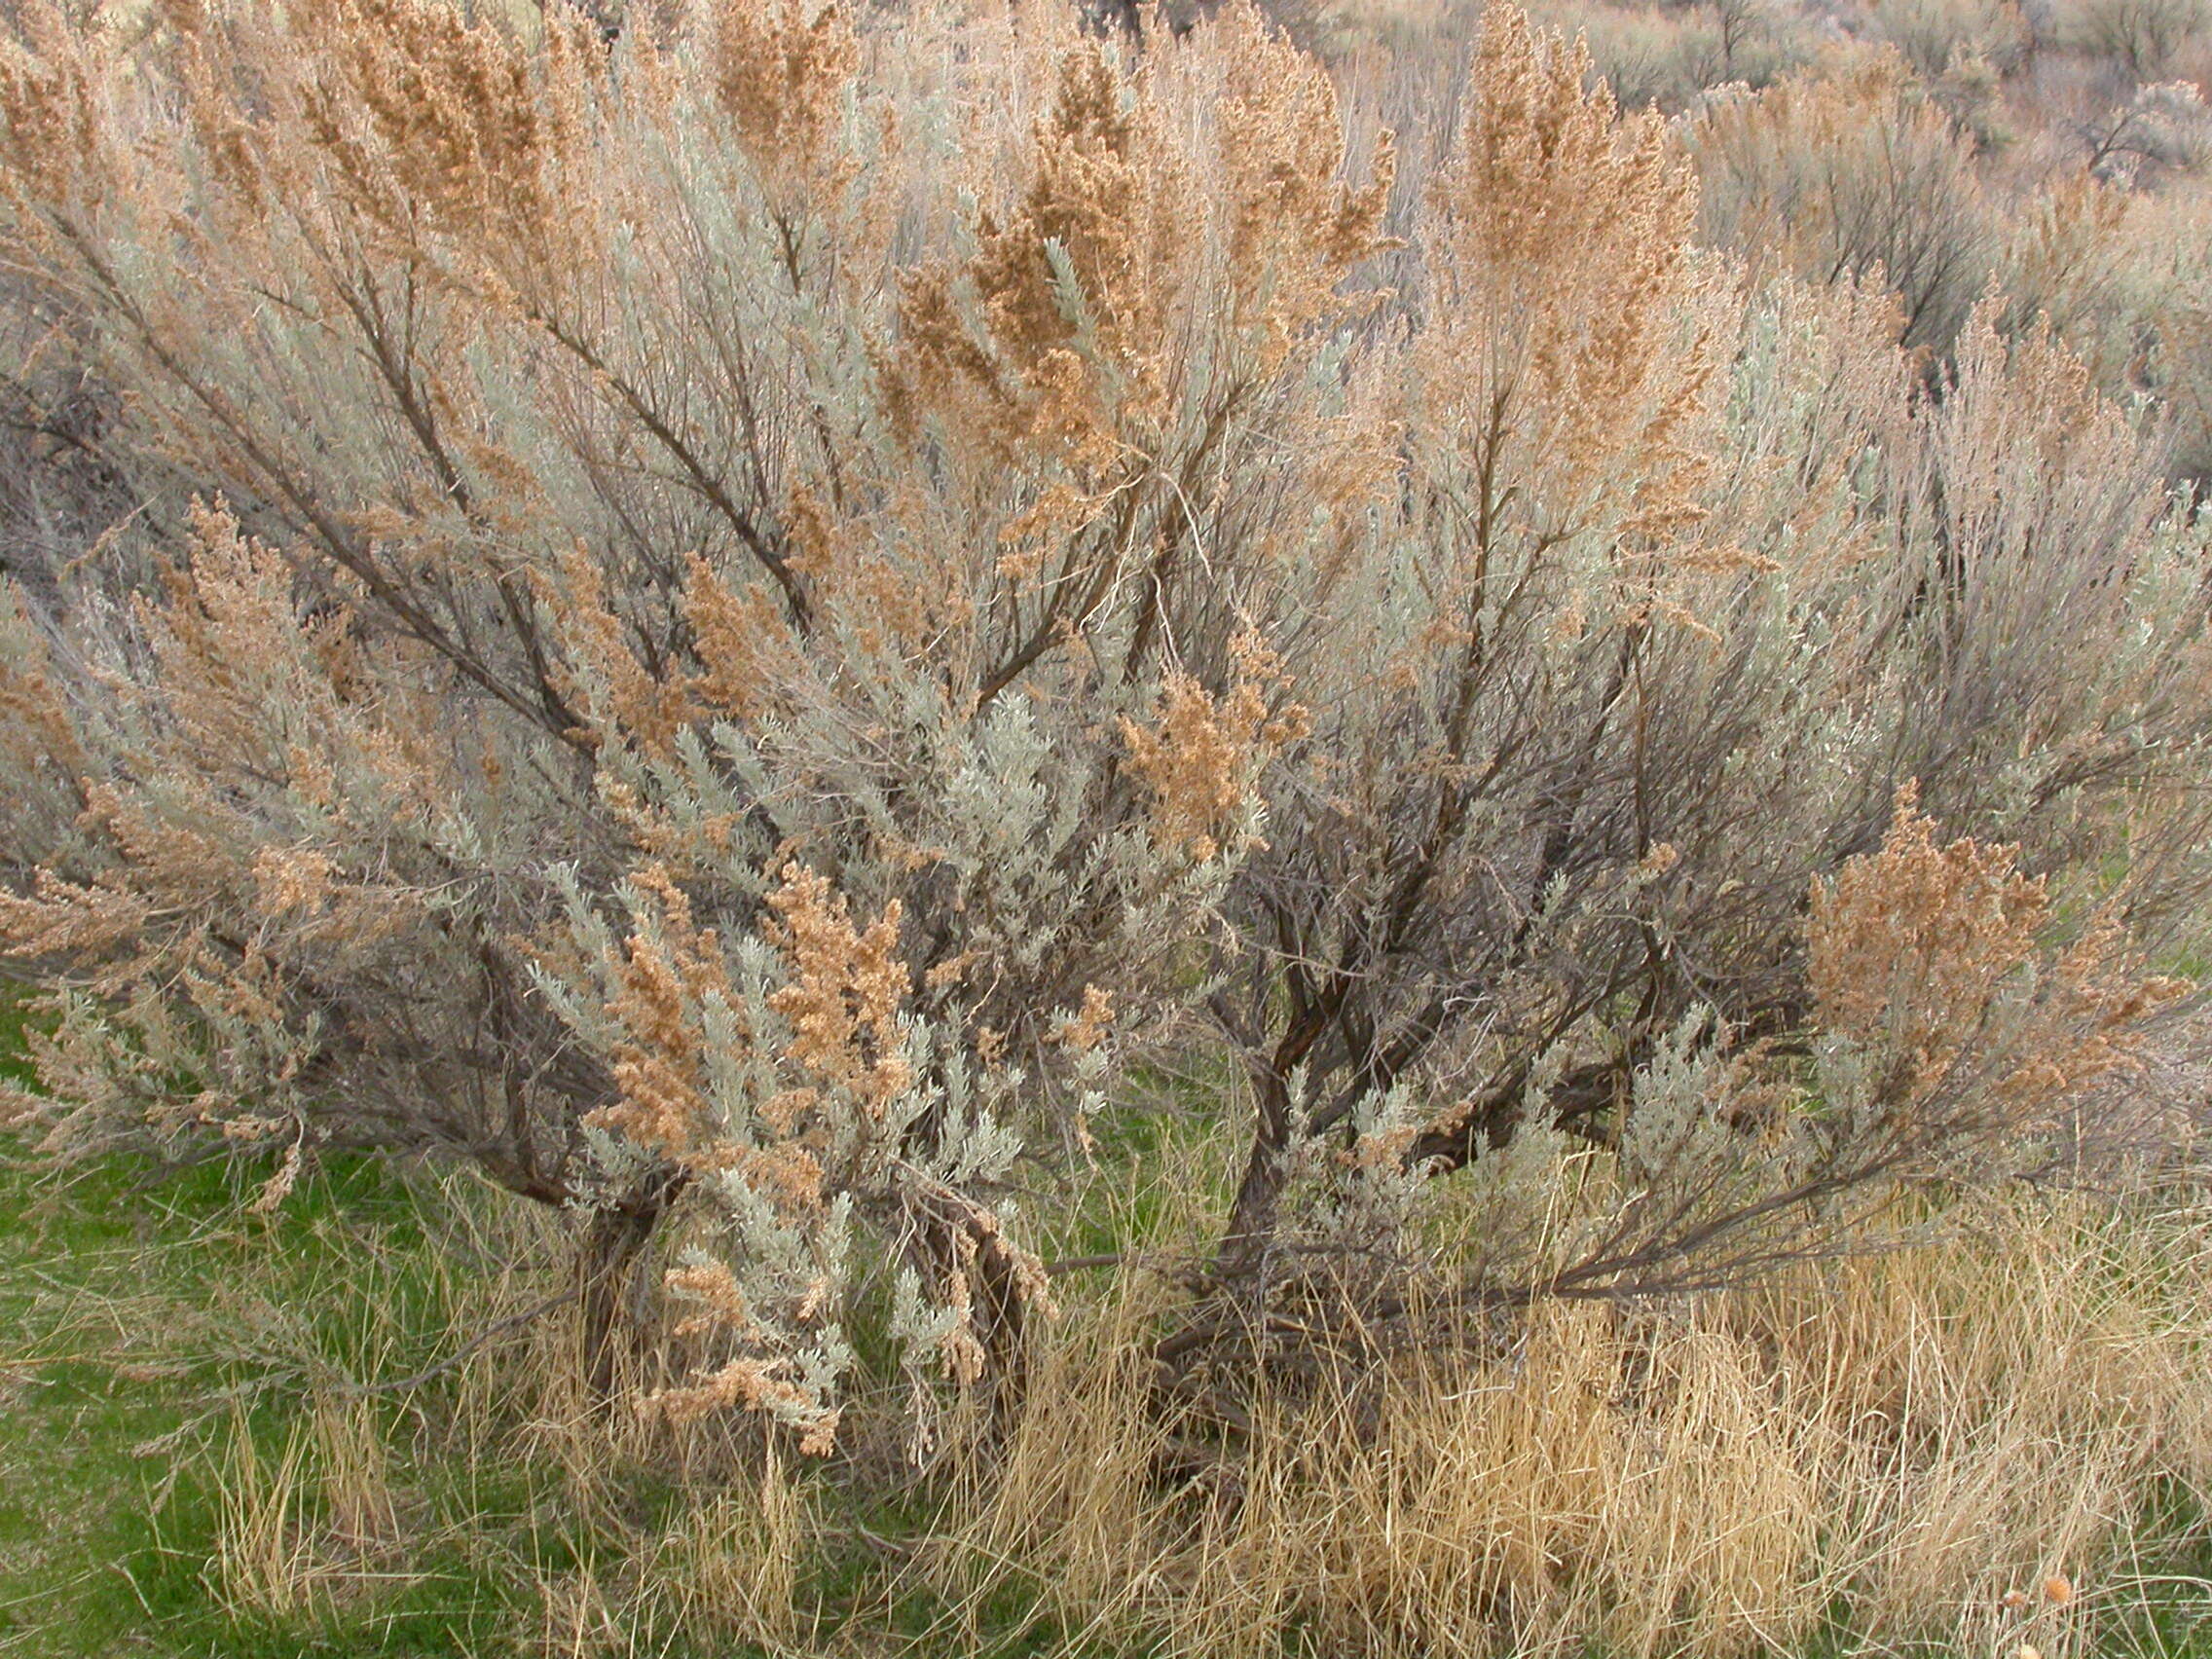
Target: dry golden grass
[[317, 1525], [1943, 1444]]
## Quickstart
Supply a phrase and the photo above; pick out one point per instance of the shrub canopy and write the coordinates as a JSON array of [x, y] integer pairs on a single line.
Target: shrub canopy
[[749, 627]]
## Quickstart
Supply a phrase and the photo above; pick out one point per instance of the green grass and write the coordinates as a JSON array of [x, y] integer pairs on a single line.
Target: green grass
[[132, 1353], [147, 1317]]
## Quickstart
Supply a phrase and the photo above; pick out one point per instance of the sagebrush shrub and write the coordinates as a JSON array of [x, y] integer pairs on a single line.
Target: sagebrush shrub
[[737, 625], [1863, 176]]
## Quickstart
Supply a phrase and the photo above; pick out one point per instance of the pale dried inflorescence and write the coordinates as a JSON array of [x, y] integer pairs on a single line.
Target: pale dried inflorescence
[[1908, 946], [1944, 1010], [1203, 755]]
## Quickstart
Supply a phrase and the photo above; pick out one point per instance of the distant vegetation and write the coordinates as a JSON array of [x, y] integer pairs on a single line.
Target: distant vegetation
[[963, 827], [2053, 154]]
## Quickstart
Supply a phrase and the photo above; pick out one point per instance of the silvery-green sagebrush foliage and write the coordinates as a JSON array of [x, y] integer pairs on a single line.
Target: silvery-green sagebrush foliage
[[733, 627]]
